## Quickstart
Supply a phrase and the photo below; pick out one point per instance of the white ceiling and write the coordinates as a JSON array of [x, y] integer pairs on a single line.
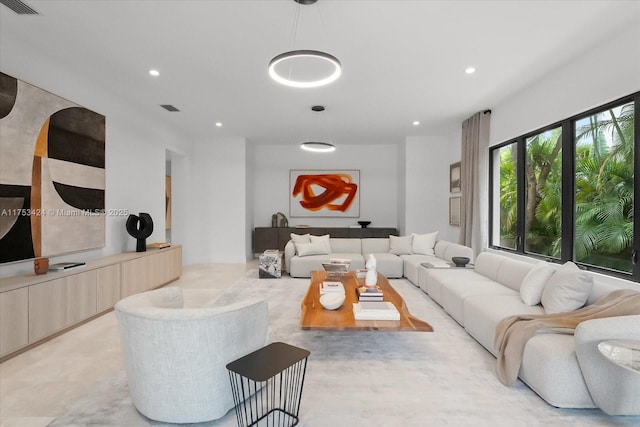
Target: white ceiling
[[402, 60]]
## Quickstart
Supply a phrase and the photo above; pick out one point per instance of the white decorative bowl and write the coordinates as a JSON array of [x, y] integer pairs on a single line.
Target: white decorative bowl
[[332, 301]]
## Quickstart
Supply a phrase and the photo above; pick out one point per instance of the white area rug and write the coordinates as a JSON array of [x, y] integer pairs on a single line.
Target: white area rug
[[443, 378]]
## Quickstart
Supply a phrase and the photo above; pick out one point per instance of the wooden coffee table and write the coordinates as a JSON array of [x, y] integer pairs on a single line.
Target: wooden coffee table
[[315, 317]]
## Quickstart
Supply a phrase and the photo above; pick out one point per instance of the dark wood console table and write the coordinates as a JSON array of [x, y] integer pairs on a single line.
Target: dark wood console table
[[277, 237]]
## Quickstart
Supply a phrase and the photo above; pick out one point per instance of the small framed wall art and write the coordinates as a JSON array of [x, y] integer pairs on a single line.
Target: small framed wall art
[[454, 178], [454, 211]]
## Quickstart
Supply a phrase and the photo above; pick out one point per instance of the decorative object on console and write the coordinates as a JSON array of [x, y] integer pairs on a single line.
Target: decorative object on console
[[65, 265], [284, 222], [140, 227], [460, 261], [41, 265], [339, 196], [158, 245], [274, 220], [371, 278], [364, 224], [52, 159]]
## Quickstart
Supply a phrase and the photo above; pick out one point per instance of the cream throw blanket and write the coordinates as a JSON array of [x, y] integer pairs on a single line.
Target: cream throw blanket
[[513, 332]]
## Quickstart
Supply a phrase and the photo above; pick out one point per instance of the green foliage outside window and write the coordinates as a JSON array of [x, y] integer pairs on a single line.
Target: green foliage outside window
[[603, 215]]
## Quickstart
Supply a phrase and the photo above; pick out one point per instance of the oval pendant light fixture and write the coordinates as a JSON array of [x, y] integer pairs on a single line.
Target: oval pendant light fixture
[[281, 66], [318, 147]]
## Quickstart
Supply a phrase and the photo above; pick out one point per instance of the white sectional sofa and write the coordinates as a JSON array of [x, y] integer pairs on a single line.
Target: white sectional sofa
[[481, 297], [393, 261], [565, 370]]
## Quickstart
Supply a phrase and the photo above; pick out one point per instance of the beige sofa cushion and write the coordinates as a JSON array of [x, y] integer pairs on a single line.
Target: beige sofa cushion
[[400, 245]]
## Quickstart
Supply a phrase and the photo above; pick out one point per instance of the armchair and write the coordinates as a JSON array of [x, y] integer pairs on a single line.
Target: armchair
[[175, 357]]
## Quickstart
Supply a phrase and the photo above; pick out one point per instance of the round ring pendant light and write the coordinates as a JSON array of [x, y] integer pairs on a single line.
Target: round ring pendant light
[[283, 74], [318, 147], [304, 54]]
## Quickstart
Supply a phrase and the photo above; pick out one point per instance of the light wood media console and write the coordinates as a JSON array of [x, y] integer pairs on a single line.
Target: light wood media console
[[35, 308]]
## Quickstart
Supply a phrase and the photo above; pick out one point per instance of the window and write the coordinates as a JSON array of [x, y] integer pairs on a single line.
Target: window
[[543, 201], [505, 189], [569, 191], [604, 188]]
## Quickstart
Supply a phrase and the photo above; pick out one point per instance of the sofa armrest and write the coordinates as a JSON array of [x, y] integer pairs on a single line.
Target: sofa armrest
[[446, 250], [289, 252], [614, 389]]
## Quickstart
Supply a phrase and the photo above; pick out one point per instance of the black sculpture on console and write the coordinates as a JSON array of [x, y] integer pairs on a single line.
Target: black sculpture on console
[[140, 227]]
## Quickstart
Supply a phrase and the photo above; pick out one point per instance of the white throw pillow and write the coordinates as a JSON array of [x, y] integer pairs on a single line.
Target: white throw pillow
[[567, 289], [322, 240], [305, 249], [424, 243], [300, 238], [534, 282], [400, 245]]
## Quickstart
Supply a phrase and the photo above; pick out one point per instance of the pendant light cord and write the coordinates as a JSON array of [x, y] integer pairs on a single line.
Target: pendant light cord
[[294, 34]]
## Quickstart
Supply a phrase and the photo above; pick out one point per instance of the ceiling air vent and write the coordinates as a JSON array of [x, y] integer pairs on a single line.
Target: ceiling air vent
[[168, 107], [19, 7]]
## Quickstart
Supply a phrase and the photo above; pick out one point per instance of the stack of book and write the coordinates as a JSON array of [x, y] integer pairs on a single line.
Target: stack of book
[[328, 287], [158, 245], [366, 293], [380, 310]]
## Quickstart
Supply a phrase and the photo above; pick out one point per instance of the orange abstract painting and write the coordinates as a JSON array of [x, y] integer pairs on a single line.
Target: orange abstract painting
[[324, 193]]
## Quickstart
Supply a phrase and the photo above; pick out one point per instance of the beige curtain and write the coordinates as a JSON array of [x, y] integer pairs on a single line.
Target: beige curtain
[[474, 169]]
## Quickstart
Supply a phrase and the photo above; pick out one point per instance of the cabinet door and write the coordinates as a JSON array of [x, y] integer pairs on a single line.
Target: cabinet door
[[81, 296], [265, 238], [163, 267], [47, 308], [107, 287], [284, 235], [14, 320], [176, 263], [136, 276]]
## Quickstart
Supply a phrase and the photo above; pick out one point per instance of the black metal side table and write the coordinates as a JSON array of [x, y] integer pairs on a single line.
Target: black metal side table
[[267, 385]]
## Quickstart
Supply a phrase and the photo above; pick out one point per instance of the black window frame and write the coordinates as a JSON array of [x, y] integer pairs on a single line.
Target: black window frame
[[568, 190]]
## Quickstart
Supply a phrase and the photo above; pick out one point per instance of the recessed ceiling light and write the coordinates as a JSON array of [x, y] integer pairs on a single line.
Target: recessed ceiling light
[[416, 123], [218, 124], [470, 70], [154, 73]]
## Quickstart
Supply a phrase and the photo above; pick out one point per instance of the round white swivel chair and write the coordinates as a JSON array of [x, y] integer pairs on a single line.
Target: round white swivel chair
[[176, 357]]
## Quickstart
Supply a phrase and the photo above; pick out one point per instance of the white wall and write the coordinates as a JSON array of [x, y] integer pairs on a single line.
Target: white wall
[[606, 72], [402, 189], [378, 181], [427, 184], [250, 200], [217, 202]]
